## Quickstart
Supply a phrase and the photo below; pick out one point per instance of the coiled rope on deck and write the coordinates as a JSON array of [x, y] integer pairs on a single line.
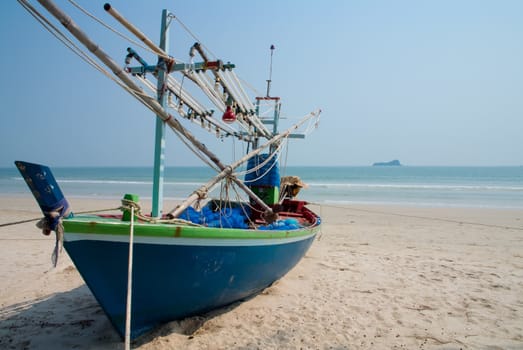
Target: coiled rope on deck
[[130, 205]]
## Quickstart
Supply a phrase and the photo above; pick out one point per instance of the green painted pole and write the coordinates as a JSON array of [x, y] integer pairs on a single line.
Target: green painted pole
[[276, 121], [159, 148]]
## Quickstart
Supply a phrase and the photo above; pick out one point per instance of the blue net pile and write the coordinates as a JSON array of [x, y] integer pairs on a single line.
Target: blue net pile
[[283, 225], [272, 176], [232, 218], [225, 217]]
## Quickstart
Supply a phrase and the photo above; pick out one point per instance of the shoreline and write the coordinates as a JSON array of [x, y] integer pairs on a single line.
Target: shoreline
[[376, 277], [482, 187], [326, 203]]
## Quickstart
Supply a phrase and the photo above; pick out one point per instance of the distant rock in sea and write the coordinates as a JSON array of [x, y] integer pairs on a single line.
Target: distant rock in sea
[[394, 162]]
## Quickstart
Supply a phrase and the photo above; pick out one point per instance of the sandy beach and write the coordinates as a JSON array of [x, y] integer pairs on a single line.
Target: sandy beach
[[384, 277]]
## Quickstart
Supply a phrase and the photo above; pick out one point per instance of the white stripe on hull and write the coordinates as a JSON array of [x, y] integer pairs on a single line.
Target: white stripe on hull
[[72, 237]]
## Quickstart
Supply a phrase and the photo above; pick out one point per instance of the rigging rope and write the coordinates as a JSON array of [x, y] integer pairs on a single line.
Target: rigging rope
[[192, 34], [120, 34], [139, 95], [276, 154], [234, 83], [240, 94], [284, 170], [130, 205], [39, 218], [209, 92], [243, 94], [253, 89], [226, 185], [209, 50], [128, 303], [244, 204], [133, 88]]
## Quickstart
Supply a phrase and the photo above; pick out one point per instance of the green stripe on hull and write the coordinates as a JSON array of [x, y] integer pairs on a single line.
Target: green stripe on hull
[[100, 225]]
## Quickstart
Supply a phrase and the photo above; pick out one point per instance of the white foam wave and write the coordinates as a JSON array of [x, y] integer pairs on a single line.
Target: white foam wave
[[124, 182]]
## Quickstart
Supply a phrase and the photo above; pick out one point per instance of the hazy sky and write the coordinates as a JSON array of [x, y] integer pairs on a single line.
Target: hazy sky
[[426, 82]]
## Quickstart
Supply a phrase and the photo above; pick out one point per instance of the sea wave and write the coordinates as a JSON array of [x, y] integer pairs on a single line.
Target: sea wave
[[119, 182], [316, 185]]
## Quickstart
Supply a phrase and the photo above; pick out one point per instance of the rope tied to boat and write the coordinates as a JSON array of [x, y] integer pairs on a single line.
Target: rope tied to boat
[[202, 192], [47, 225], [270, 216], [131, 206]]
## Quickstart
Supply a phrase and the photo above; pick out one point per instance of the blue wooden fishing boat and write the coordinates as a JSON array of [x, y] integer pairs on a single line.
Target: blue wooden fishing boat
[[147, 269]]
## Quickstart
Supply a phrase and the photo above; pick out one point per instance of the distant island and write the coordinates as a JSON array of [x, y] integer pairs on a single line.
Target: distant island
[[394, 162]]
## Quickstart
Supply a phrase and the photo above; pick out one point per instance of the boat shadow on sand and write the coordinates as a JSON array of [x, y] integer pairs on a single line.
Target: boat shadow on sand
[[74, 319]]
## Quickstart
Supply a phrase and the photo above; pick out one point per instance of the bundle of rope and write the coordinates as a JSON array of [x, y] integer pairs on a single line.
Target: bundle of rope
[[131, 206]]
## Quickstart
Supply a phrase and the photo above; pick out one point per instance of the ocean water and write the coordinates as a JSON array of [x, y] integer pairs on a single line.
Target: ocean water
[[490, 187]]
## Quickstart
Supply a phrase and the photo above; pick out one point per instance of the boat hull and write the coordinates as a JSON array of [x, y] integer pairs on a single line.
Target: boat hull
[[176, 277]]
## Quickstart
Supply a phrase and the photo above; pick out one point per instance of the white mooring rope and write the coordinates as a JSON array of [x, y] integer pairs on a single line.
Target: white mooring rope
[[129, 285]]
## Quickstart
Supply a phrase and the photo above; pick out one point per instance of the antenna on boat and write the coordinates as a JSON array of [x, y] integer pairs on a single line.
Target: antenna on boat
[[270, 72]]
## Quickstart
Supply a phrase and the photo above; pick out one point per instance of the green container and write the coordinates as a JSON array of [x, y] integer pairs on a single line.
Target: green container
[[126, 213], [268, 194]]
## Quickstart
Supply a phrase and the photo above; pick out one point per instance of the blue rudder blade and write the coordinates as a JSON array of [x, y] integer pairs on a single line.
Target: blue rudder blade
[[45, 189]]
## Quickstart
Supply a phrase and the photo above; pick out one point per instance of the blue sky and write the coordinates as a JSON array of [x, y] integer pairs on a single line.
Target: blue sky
[[426, 82]]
